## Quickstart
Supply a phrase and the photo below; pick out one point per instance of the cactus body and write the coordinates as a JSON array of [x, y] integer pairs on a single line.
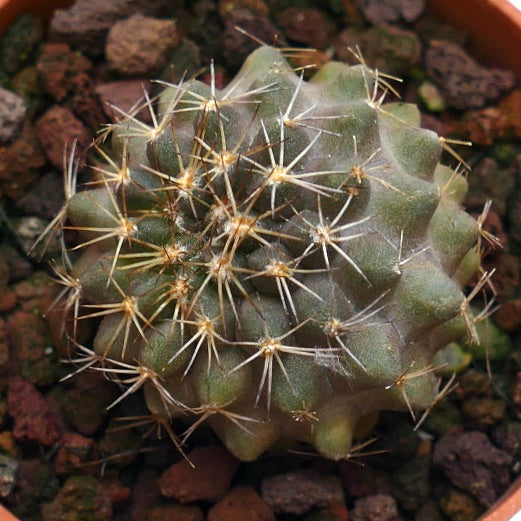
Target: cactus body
[[280, 258]]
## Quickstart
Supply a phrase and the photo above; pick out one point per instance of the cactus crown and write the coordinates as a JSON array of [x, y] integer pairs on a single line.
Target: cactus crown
[[280, 258]]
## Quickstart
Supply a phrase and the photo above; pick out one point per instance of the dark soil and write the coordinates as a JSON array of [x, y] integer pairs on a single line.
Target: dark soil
[[63, 455]]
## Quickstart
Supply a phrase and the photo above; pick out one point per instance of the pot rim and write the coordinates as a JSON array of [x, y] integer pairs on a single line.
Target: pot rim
[[10, 9], [505, 34]]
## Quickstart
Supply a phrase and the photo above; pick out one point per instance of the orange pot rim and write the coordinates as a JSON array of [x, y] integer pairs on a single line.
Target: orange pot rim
[[11, 9], [494, 29]]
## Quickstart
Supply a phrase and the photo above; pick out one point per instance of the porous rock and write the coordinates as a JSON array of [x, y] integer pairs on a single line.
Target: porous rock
[[139, 46], [12, 114]]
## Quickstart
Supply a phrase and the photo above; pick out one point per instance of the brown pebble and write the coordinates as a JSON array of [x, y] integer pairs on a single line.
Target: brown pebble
[[85, 24], [85, 102], [139, 46], [490, 182], [31, 342], [220, 79], [482, 126], [474, 465], [118, 493], [465, 84], [145, 493], [363, 480], [387, 48], [336, 511], [506, 274], [7, 300], [440, 126], [508, 316], [241, 504], [35, 484], [175, 513], [85, 400], [8, 447], [458, 506], [228, 8], [58, 127], [482, 413], [24, 290], [45, 198], [379, 507], [299, 491], [473, 383], [306, 25], [20, 162], [207, 480], [57, 66], [380, 12], [125, 95], [235, 45], [74, 451], [34, 420], [80, 498]]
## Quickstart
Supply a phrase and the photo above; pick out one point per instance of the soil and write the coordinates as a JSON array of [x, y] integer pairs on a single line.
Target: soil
[[63, 455]]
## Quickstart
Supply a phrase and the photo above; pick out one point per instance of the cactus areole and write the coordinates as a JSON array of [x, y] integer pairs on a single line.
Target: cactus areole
[[280, 259]]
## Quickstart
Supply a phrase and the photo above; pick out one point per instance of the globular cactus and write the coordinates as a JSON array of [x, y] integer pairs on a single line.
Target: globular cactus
[[280, 258]]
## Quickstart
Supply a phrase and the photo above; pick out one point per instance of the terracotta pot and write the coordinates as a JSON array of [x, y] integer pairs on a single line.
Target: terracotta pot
[[494, 29], [5, 515], [10, 9]]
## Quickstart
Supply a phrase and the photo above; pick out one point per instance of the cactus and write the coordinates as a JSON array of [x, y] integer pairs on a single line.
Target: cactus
[[280, 259]]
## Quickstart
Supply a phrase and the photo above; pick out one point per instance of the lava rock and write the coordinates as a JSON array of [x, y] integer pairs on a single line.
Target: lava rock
[[465, 84], [124, 95], [31, 341], [205, 476], [299, 491], [35, 483], [483, 413], [241, 504], [473, 464], [80, 498], [379, 507], [58, 127], [34, 419], [236, 45], [19, 41], [391, 49], [57, 66], [139, 46], [84, 401], [74, 451], [508, 316], [458, 506], [20, 162], [306, 25], [411, 483], [380, 12], [12, 115], [86, 23], [175, 513]]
